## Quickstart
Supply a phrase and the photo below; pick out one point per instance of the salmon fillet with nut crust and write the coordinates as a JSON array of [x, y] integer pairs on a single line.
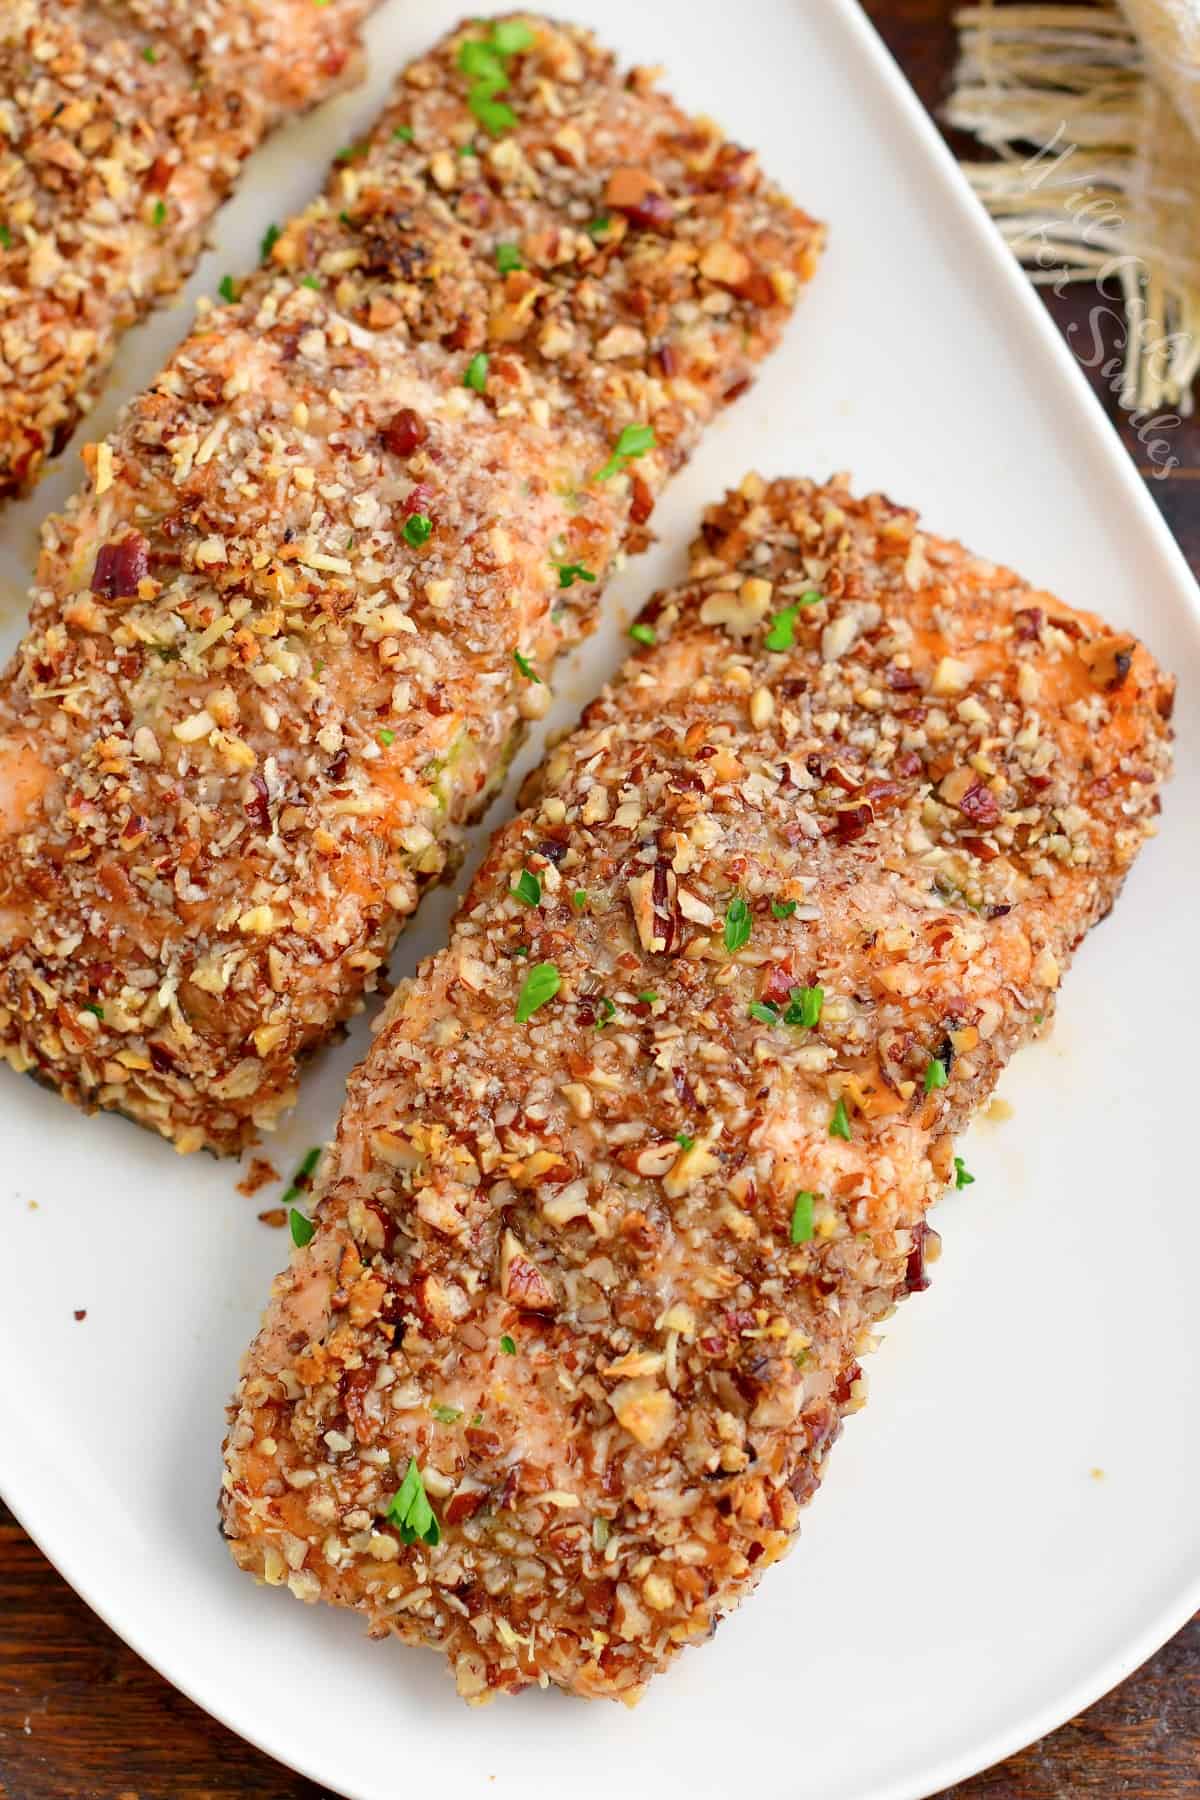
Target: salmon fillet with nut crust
[[125, 123], [285, 640], [640, 1160]]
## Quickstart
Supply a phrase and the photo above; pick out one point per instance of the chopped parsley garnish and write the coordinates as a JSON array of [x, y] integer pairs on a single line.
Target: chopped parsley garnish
[[608, 1011], [508, 258], [521, 950], [159, 214], [507, 1347], [647, 996], [962, 1175], [227, 288], [782, 634], [683, 1140], [446, 1415], [634, 440], [303, 1230], [494, 115], [404, 133], [643, 634], [839, 1125], [417, 528], [385, 736], [301, 1178], [410, 1511], [93, 1008], [526, 667], [350, 153], [528, 889], [476, 375], [805, 1008], [5, 238], [764, 1012], [579, 899], [309, 281], [149, 54], [737, 924], [541, 984], [270, 238], [483, 61], [783, 909], [598, 226], [510, 36], [570, 573], [935, 1074], [802, 1217]]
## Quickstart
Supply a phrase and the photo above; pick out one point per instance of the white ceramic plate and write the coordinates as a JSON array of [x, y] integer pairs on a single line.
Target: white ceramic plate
[[966, 1579]]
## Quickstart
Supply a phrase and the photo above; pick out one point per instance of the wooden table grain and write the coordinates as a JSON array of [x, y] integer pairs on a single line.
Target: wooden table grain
[[83, 1718]]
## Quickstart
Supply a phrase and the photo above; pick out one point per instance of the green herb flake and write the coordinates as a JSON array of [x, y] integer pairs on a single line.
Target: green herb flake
[[839, 1125], [350, 153], [303, 1230], [738, 924], [5, 238], [93, 1008], [410, 1511], [403, 134], [528, 889], [634, 440], [477, 369], [805, 1007], [387, 738], [446, 1415], [508, 258], [783, 909], [303, 1176], [802, 1217], [227, 288], [598, 226], [159, 215], [683, 1140], [417, 528], [608, 1011], [570, 573], [510, 36], [962, 1175], [271, 237], [764, 1012], [149, 54], [526, 667], [481, 61], [309, 281], [507, 1347], [647, 996], [782, 634], [541, 984], [935, 1074], [579, 899], [495, 117], [643, 634]]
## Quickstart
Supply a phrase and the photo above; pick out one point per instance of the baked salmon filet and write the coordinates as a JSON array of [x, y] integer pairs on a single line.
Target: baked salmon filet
[[638, 1163], [286, 638], [125, 123]]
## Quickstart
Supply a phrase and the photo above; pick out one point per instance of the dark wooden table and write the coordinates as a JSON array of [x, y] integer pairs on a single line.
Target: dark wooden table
[[83, 1718]]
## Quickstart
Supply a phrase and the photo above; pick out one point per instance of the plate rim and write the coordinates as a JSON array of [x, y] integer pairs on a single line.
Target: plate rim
[[1088, 420]]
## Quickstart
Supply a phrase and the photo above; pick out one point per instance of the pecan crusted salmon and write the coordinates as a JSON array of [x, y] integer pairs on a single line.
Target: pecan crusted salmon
[[124, 125], [639, 1161], [286, 638]]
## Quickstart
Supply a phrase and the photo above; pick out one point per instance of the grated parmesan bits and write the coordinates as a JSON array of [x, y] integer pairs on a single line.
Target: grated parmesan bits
[[286, 638], [640, 1160], [124, 125]]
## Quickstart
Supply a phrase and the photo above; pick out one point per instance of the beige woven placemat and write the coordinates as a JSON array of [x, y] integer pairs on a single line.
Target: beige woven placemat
[[1095, 114]]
